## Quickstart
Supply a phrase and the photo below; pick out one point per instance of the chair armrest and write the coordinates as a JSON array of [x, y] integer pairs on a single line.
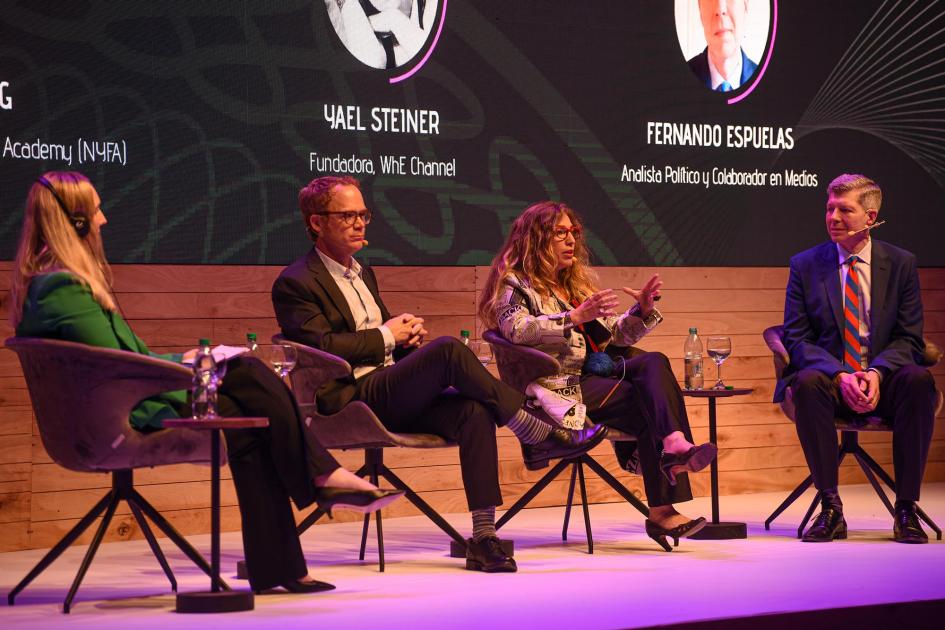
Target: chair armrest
[[520, 365], [774, 338], [314, 368]]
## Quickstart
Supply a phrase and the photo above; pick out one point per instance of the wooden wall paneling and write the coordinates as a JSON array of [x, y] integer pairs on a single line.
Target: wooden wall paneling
[[171, 306]]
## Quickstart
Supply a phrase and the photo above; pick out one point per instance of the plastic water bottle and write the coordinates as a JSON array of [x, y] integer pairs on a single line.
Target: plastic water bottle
[[693, 353], [464, 337], [203, 393], [252, 345]]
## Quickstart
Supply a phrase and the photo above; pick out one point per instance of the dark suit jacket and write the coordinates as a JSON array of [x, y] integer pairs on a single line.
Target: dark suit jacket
[[311, 309], [813, 312], [700, 66]]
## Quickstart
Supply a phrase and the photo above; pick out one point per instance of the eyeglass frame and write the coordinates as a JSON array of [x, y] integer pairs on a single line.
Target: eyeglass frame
[[575, 230], [348, 217]]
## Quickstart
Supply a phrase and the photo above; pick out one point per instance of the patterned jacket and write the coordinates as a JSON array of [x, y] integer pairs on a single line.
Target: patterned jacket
[[526, 318]]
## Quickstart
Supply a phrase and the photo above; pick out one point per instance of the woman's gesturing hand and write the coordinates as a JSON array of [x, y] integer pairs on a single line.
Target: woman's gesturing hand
[[601, 304], [646, 296]]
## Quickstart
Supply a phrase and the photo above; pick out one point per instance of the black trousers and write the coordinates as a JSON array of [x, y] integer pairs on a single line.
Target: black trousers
[[648, 404], [270, 466], [907, 396], [409, 397]]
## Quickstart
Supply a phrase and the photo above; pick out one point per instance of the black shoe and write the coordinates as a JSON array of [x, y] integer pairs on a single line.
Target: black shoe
[[659, 533], [562, 443], [487, 556], [828, 525], [693, 460], [906, 527], [356, 500], [298, 586]]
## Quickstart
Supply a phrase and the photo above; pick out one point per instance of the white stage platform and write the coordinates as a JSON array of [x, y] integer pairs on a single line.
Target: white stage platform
[[628, 581]]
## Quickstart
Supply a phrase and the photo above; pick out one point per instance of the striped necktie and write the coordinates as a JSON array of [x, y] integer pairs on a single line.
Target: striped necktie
[[851, 315], [724, 86]]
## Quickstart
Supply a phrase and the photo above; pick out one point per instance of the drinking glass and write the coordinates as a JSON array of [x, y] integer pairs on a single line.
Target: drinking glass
[[483, 350], [719, 348], [283, 358]]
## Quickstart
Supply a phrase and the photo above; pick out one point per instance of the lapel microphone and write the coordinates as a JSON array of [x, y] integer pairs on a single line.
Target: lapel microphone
[[863, 229]]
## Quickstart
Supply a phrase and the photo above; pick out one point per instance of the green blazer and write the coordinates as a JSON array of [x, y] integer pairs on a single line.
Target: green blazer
[[59, 306]]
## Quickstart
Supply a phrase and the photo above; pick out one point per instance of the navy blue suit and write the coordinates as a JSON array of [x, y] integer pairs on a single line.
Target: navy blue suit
[[700, 66], [813, 324]]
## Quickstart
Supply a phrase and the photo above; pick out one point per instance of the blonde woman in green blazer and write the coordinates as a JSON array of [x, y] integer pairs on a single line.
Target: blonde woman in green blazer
[[62, 289]]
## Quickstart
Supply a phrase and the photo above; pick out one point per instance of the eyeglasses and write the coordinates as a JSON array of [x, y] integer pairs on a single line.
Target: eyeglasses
[[347, 217], [561, 233]]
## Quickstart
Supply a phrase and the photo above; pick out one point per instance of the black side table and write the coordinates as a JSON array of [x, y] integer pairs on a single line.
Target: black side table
[[219, 598], [716, 530]]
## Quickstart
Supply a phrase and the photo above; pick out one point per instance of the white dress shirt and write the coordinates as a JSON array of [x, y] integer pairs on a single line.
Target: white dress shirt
[[865, 277], [717, 77], [364, 309]]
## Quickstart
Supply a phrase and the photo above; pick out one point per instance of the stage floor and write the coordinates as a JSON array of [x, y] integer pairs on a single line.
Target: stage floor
[[627, 582]]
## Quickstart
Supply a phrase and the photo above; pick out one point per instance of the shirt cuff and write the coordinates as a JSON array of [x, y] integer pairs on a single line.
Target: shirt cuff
[[389, 342], [653, 319], [879, 373]]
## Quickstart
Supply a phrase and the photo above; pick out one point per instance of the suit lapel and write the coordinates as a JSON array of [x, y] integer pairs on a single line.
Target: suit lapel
[[879, 280], [323, 278], [830, 278]]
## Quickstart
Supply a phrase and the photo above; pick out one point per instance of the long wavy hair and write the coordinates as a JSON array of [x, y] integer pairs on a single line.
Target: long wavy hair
[[527, 253], [49, 242]]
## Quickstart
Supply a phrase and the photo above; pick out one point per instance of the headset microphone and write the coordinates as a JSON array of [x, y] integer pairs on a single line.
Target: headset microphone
[[80, 223], [867, 227]]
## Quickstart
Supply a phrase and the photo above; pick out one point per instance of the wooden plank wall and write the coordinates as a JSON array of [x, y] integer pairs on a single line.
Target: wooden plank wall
[[170, 307]]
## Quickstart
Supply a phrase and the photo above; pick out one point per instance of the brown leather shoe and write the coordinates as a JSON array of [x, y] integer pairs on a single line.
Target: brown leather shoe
[[562, 443]]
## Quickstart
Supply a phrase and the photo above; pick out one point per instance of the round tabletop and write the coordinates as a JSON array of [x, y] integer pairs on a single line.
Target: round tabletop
[[717, 393], [216, 423]]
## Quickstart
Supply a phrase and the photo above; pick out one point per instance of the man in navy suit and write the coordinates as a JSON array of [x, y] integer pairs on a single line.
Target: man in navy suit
[[853, 329], [723, 66]]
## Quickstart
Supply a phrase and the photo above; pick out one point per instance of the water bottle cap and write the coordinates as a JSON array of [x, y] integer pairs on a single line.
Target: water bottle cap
[[464, 333], [251, 336], [693, 331], [204, 342]]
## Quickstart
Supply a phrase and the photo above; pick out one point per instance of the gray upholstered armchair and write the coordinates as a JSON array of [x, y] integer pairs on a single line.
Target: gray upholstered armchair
[[82, 397], [356, 427], [849, 440], [519, 366]]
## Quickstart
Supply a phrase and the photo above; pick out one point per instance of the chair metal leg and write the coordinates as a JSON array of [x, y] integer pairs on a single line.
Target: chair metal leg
[[873, 482], [888, 480], [422, 505], [174, 535], [380, 541], [794, 496], [614, 483], [62, 545], [540, 485], [587, 513], [313, 517], [152, 542], [810, 511], [90, 554], [567, 508], [364, 533]]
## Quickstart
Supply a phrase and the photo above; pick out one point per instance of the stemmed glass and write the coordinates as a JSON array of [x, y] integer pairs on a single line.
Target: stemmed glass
[[283, 358], [719, 348], [483, 350]]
